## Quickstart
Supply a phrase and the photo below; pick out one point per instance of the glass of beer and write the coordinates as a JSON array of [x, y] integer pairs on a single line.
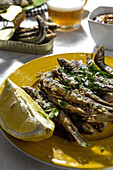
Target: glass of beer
[[66, 13]]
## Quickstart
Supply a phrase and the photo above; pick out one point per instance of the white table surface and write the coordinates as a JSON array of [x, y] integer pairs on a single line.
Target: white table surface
[[76, 41]]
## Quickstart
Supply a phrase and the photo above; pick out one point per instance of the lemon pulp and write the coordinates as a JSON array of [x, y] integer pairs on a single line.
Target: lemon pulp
[[21, 116]]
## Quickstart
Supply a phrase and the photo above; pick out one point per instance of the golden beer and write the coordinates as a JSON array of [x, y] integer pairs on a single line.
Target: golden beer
[[66, 13]]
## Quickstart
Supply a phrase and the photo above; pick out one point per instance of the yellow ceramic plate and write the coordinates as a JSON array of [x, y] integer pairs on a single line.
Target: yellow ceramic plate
[[56, 150]]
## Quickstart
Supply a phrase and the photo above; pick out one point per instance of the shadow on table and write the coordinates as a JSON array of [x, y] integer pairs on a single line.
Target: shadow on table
[[85, 14], [14, 60], [70, 38]]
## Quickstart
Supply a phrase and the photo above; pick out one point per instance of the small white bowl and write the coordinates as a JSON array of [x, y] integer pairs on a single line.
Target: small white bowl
[[102, 33]]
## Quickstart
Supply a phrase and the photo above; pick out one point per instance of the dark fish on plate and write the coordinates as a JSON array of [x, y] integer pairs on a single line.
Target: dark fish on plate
[[99, 60], [89, 79], [89, 59], [61, 117], [91, 107], [70, 81], [70, 65], [108, 97], [36, 35]]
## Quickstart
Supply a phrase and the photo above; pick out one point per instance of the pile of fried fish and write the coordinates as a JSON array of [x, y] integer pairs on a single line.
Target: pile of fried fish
[[77, 97]]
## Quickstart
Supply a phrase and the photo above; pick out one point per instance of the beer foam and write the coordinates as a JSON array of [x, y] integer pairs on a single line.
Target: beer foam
[[65, 5]]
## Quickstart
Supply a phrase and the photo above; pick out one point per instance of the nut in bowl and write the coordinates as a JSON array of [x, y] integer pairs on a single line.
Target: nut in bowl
[[101, 29]]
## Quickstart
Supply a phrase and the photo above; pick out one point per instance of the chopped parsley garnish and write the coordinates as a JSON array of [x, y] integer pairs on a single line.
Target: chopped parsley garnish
[[91, 78], [54, 112], [62, 103], [63, 69], [67, 87], [82, 69], [84, 144], [101, 149], [77, 79], [77, 85], [66, 81], [86, 77], [94, 69], [108, 82]]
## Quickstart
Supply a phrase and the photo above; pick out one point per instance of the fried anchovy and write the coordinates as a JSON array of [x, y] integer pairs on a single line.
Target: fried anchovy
[[45, 103], [89, 59], [74, 131], [99, 60], [66, 106], [83, 126], [86, 128], [52, 26], [98, 119], [70, 65], [104, 87], [49, 36], [22, 30], [108, 81], [38, 36], [108, 97], [62, 117], [56, 89], [99, 126], [42, 76], [82, 90], [101, 118], [99, 77], [28, 34], [80, 69]]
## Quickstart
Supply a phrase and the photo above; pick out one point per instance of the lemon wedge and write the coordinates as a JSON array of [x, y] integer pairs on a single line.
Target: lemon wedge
[[21, 116]]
